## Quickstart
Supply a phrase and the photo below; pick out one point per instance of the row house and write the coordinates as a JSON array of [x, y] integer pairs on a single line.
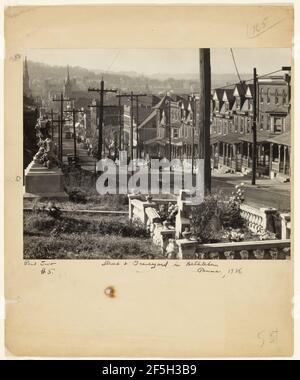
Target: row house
[[231, 128], [139, 111], [171, 124]]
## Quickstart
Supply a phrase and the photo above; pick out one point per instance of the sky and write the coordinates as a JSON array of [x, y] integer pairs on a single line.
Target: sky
[[164, 61]]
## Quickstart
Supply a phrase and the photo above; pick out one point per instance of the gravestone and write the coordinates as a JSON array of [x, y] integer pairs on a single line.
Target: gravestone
[[43, 177]]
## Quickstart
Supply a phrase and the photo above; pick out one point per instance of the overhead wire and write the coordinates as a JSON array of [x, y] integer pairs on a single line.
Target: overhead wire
[[247, 80]]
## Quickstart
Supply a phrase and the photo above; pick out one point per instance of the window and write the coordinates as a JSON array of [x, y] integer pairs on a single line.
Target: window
[[185, 132], [248, 125], [226, 107], [225, 129], [261, 124], [278, 124], [235, 121], [283, 97], [250, 106], [276, 97], [175, 133], [238, 103], [268, 122], [242, 126], [261, 95], [268, 96], [217, 106]]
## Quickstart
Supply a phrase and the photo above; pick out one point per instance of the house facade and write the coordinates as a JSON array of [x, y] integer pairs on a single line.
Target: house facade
[[171, 125], [231, 128]]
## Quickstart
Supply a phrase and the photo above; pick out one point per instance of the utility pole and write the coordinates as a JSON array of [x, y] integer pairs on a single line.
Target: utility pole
[[73, 112], [193, 98], [204, 112], [131, 125], [120, 123], [169, 131], [103, 107], [101, 91], [52, 129], [52, 135], [254, 129], [133, 96], [62, 120], [137, 96], [52, 123]]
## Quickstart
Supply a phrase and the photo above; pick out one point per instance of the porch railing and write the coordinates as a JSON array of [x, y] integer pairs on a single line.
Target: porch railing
[[277, 166]]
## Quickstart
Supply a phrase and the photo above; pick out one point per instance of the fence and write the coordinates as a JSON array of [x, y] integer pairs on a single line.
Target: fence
[[175, 242]]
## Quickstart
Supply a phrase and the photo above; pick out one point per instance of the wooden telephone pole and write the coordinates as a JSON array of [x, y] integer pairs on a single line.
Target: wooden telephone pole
[[254, 127], [193, 99], [138, 151], [73, 112], [52, 123], [61, 122], [121, 142], [168, 119], [101, 92], [133, 96], [204, 115]]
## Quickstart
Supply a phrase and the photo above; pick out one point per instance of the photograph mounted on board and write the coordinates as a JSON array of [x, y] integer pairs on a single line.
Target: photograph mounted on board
[[157, 153]]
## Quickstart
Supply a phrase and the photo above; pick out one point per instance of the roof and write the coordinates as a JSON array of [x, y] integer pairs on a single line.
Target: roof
[[229, 95], [161, 102], [278, 111], [250, 90], [246, 107], [148, 118], [283, 139], [156, 140], [218, 93], [230, 138], [241, 89], [262, 136], [179, 141]]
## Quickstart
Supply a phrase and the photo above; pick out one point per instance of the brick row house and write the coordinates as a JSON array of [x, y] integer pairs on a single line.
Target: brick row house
[[170, 126], [231, 128]]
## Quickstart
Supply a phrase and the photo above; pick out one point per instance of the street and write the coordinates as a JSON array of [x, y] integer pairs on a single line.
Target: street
[[266, 192]]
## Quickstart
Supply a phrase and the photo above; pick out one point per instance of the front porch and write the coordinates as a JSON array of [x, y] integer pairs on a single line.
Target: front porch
[[280, 153]]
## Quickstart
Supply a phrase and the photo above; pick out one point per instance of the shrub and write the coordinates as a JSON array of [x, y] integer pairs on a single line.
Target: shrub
[[212, 216], [77, 195]]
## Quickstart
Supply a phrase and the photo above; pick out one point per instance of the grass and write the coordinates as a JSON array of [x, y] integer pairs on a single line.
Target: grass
[[88, 246], [97, 202], [85, 238]]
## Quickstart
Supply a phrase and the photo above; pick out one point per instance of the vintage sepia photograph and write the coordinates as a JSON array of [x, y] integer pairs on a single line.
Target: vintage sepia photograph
[[157, 154], [149, 186]]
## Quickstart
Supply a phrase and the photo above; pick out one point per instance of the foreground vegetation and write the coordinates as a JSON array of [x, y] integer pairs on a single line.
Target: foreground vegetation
[[46, 237]]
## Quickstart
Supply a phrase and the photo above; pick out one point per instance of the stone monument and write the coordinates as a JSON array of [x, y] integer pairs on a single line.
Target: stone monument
[[43, 177], [182, 217]]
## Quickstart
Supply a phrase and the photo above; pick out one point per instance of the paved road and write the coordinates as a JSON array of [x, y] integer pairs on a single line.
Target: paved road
[[267, 193], [87, 162]]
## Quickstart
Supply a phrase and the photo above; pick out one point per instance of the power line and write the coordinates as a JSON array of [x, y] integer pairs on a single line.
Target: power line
[[235, 65], [247, 80], [114, 60]]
